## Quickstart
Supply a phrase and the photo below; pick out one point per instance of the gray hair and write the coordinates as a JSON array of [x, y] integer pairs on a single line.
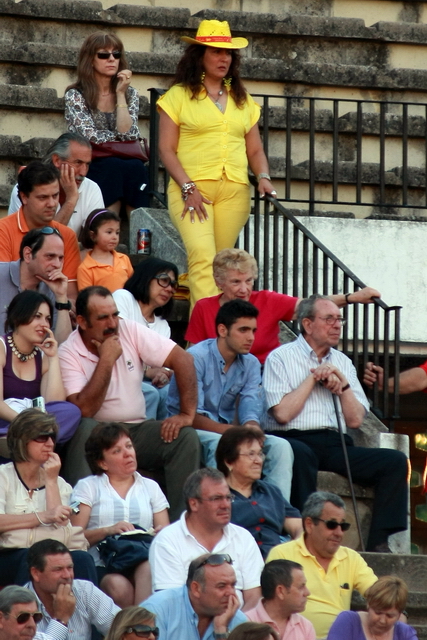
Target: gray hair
[[196, 573], [307, 308], [15, 595], [61, 146], [315, 504], [194, 481]]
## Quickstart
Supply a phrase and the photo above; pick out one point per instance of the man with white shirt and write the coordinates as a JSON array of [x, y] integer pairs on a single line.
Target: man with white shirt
[[205, 528], [69, 607], [71, 154], [300, 379]]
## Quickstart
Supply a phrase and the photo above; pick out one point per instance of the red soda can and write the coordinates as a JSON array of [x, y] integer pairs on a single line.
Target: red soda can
[[143, 241]]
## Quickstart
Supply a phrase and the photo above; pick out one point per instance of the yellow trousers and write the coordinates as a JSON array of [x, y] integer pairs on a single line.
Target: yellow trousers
[[228, 213]]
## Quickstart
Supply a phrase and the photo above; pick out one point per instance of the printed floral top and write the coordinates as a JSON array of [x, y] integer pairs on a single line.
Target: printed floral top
[[97, 125]]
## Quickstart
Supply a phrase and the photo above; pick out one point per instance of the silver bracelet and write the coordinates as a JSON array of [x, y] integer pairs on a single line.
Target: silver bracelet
[[260, 176], [187, 189], [44, 524]]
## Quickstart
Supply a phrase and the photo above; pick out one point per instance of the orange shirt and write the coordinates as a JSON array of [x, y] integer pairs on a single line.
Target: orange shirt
[[91, 272], [14, 227]]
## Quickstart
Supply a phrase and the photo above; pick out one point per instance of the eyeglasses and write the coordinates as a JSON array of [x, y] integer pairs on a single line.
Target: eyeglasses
[[104, 55], [44, 437], [215, 560], [254, 454], [26, 615], [331, 320], [333, 524], [216, 499], [165, 281], [143, 630]]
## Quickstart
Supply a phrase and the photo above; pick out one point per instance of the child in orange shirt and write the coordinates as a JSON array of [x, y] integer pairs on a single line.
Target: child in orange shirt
[[102, 265]]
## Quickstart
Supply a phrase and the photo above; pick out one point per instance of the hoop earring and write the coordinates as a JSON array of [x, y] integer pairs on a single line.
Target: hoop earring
[[227, 83]]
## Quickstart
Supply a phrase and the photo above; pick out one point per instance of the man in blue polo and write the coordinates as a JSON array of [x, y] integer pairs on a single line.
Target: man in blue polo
[[205, 607], [229, 390]]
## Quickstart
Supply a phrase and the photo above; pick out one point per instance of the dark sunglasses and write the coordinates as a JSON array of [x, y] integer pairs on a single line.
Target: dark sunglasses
[[165, 281], [215, 560], [143, 630], [333, 524], [104, 55], [26, 615], [44, 437], [48, 231]]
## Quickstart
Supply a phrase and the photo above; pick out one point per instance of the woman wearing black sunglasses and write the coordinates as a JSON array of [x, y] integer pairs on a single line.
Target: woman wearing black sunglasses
[[33, 496], [132, 623], [147, 298], [103, 107]]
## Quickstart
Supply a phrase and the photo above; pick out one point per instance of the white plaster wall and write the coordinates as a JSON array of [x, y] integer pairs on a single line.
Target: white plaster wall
[[388, 255]]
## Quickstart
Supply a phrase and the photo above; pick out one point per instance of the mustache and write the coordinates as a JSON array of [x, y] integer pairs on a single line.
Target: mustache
[[109, 332]]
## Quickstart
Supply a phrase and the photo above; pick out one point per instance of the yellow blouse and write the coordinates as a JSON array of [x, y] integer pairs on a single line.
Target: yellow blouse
[[210, 142]]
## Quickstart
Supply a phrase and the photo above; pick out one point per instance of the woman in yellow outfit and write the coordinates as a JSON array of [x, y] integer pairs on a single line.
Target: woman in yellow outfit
[[208, 135]]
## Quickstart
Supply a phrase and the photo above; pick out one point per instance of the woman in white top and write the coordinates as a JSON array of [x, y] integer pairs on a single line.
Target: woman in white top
[[147, 298], [112, 501], [32, 494]]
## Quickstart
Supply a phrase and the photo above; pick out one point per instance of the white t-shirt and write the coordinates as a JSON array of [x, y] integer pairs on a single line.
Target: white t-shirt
[[175, 547], [107, 507], [90, 198], [130, 310]]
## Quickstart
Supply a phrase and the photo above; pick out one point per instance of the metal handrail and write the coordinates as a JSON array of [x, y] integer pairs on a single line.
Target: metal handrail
[[293, 261]]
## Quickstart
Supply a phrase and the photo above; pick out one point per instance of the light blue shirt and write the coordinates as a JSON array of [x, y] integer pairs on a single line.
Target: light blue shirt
[[218, 390], [177, 619]]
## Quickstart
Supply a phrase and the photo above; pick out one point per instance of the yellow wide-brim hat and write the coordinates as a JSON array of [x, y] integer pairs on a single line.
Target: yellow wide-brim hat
[[213, 33]]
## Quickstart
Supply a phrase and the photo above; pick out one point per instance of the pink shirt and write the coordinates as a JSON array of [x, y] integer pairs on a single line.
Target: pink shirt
[[298, 628], [124, 401]]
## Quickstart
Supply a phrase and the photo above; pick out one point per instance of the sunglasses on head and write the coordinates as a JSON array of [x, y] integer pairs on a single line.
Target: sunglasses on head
[[104, 55], [44, 437], [165, 281], [143, 630], [333, 524], [216, 560], [26, 615]]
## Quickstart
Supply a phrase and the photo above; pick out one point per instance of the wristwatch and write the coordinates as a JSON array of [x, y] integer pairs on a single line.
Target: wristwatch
[[60, 306], [221, 636]]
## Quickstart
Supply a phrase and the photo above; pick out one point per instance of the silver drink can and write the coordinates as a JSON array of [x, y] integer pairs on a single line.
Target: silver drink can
[[143, 241]]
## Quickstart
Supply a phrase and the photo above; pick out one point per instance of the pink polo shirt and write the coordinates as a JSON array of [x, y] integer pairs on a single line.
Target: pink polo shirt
[[298, 628], [124, 401]]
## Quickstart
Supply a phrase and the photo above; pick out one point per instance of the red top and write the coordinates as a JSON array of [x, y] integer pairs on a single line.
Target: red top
[[272, 307]]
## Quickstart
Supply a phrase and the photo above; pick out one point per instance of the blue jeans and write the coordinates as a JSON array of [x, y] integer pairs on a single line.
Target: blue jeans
[[155, 401], [278, 462]]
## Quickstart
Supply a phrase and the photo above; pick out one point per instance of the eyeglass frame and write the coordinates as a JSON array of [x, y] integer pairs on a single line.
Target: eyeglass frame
[[254, 454], [105, 55], [331, 320], [334, 524], [143, 628], [172, 283], [229, 497], [27, 615]]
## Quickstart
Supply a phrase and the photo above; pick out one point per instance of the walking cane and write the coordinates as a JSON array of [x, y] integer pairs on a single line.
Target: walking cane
[[347, 465]]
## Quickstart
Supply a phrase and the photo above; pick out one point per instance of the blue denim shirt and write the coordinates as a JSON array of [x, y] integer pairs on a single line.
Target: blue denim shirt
[[177, 619], [218, 390]]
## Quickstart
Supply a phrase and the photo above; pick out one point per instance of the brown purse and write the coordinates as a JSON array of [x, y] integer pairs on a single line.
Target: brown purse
[[138, 149]]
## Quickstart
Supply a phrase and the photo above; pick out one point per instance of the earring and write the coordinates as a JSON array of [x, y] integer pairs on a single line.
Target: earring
[[230, 469], [203, 76], [227, 83]]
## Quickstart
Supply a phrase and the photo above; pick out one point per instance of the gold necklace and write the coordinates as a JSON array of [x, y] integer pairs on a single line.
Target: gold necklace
[[23, 357]]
